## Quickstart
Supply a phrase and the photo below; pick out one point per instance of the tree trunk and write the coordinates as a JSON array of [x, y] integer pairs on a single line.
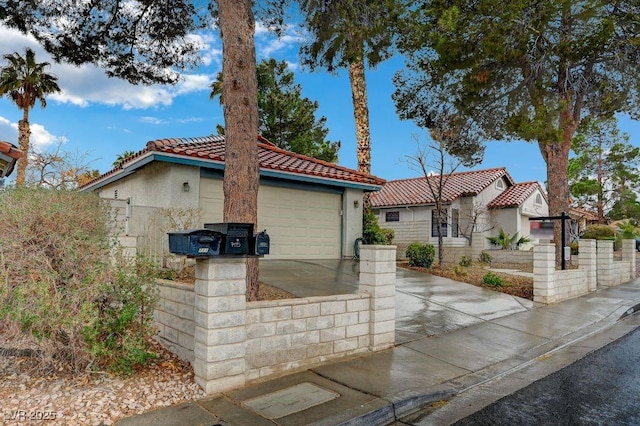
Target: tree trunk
[[24, 135], [361, 115], [240, 88], [556, 155]]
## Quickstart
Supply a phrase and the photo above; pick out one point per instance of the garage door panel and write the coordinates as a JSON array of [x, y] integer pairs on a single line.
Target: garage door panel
[[301, 224]]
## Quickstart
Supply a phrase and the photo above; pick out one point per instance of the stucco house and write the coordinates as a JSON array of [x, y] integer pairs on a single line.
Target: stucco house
[[478, 202], [9, 154], [310, 208]]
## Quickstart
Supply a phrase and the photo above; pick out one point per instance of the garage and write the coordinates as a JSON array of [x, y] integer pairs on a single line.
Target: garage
[[302, 223]]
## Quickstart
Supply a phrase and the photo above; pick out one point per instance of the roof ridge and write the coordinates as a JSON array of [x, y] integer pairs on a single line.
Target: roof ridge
[[492, 169], [272, 147]]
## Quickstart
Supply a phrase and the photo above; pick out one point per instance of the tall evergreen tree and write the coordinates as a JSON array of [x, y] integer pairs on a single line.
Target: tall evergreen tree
[[26, 81], [604, 168], [285, 117], [522, 70]]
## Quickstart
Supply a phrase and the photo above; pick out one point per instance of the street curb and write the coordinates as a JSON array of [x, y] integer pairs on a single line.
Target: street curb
[[632, 310]]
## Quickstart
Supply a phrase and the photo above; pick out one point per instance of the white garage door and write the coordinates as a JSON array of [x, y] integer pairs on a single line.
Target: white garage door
[[302, 224]]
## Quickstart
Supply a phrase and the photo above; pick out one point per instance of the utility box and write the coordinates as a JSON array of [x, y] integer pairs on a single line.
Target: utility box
[[236, 237], [195, 242]]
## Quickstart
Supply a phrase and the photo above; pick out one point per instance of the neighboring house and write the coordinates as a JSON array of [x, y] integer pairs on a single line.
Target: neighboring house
[[9, 154], [479, 202], [310, 208]]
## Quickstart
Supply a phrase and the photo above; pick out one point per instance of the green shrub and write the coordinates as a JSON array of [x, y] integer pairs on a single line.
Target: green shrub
[[460, 271], [371, 231], [492, 280], [485, 257], [506, 241], [575, 246], [465, 261], [421, 255], [599, 232], [62, 286]]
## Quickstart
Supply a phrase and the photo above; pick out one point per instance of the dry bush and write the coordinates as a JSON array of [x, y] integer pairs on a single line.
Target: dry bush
[[58, 282]]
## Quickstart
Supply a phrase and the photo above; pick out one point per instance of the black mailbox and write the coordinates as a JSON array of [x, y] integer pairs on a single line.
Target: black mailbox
[[195, 242], [236, 237], [261, 243]]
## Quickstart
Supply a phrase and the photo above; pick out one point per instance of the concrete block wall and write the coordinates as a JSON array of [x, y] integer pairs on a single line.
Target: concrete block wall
[[174, 318], [587, 261], [230, 341], [511, 256], [406, 233], [596, 267], [604, 262], [290, 334], [570, 283]]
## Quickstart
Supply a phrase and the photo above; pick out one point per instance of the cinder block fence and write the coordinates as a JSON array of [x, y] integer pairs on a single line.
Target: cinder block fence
[[231, 342], [597, 267]]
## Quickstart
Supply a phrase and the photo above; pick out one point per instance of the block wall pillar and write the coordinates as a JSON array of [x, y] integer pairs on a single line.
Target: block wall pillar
[[587, 260], [629, 255], [605, 262], [544, 269], [477, 245], [220, 319], [378, 278]]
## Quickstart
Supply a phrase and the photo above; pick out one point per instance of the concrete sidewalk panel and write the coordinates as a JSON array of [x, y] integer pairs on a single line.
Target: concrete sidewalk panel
[[424, 318], [477, 346], [188, 413], [234, 414], [390, 372], [544, 323]]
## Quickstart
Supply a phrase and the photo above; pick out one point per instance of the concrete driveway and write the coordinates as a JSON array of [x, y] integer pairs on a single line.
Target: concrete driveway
[[426, 305]]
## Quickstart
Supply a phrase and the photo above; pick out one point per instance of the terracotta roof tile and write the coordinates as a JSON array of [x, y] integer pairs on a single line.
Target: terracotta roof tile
[[270, 158], [416, 191], [515, 196], [10, 150]]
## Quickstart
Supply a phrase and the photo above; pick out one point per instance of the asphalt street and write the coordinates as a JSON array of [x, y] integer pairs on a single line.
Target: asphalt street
[[602, 388]]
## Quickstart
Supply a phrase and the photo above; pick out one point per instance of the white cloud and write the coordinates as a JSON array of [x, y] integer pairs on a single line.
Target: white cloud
[[88, 84], [40, 137], [267, 43], [152, 120]]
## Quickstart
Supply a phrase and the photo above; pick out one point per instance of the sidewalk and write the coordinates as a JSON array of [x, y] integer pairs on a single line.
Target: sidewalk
[[387, 386]]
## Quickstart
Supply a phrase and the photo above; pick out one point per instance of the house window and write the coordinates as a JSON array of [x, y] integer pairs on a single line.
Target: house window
[[539, 199], [500, 184], [443, 223], [455, 222], [392, 217]]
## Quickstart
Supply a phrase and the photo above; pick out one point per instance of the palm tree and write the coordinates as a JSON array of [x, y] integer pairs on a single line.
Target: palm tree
[[121, 157], [216, 89], [345, 34], [25, 81]]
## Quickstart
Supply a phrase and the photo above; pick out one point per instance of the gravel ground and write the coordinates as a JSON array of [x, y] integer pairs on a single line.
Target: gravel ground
[[30, 397]]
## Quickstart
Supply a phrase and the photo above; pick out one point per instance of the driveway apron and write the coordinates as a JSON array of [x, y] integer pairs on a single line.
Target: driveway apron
[[426, 305]]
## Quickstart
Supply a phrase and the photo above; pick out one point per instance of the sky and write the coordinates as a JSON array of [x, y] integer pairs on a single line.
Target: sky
[[100, 117]]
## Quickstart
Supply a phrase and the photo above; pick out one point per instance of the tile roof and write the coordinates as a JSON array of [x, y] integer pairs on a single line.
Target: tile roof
[[212, 148], [515, 196], [10, 150], [415, 191]]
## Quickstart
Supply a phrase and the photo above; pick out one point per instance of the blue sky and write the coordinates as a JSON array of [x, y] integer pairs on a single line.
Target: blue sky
[[104, 117]]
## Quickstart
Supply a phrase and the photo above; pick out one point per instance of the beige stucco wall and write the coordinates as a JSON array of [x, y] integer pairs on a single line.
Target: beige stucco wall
[[351, 219], [156, 185]]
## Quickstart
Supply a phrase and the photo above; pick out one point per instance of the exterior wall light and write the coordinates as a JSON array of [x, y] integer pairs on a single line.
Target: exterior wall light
[[356, 204], [186, 187]]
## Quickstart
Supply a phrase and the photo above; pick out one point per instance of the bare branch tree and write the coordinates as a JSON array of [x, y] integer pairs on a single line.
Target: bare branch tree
[[434, 162]]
